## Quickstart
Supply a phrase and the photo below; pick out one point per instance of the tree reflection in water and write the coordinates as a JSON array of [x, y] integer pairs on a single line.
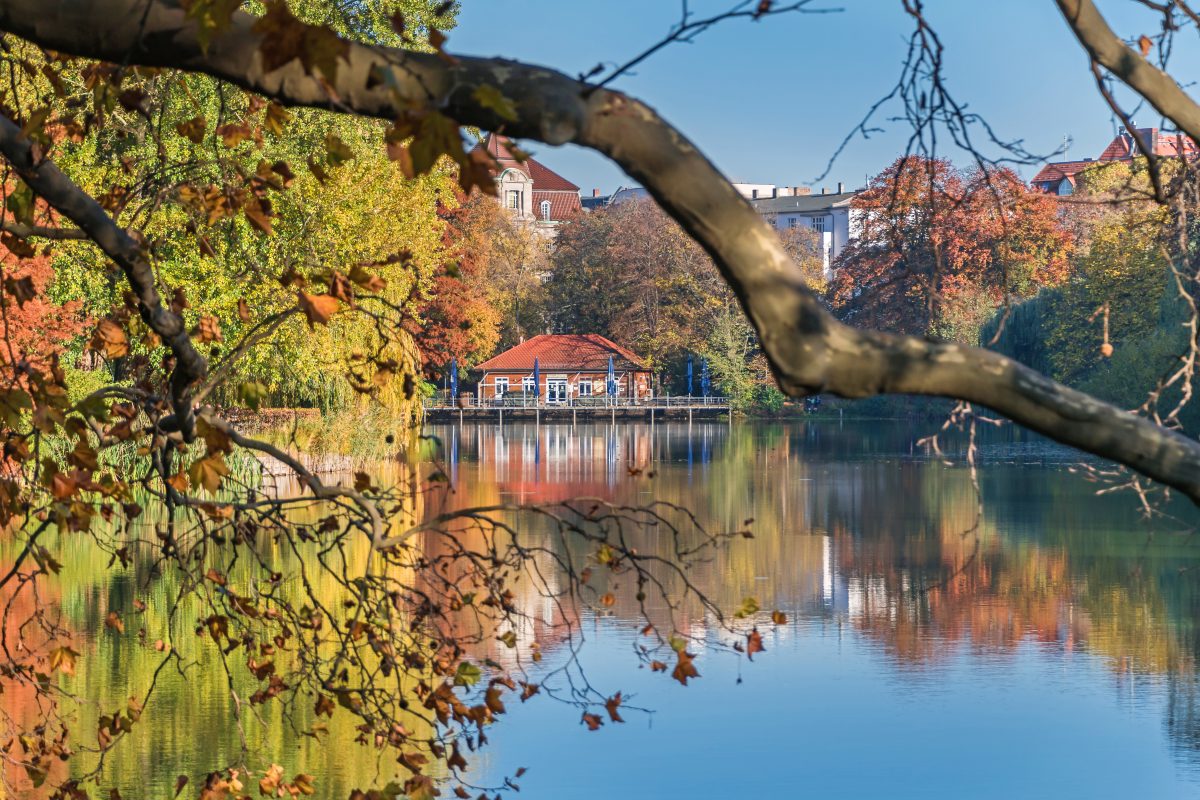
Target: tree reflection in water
[[853, 526]]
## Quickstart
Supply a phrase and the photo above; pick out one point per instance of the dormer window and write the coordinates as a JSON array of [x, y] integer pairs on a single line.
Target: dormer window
[[513, 200], [545, 210]]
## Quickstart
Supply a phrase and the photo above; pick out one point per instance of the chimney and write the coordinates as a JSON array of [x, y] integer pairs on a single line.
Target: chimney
[[841, 188], [774, 192], [822, 190], [595, 192]]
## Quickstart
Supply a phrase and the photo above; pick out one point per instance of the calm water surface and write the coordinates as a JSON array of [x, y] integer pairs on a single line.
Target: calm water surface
[[1045, 648]]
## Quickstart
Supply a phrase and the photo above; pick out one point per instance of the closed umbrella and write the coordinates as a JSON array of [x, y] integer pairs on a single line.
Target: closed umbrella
[[537, 380], [612, 378], [689, 375], [705, 385], [453, 379]]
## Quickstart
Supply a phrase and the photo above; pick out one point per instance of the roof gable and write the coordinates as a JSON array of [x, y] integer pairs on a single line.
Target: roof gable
[[544, 178]]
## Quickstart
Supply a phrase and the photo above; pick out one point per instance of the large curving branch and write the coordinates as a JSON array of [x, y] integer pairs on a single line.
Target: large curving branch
[[61, 193], [808, 349]]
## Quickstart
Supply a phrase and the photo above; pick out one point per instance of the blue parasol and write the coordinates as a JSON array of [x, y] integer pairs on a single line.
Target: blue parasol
[[705, 385], [689, 375], [612, 377], [537, 380], [453, 378]]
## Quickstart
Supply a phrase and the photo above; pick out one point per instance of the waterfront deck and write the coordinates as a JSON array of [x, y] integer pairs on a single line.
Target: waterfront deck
[[521, 406]]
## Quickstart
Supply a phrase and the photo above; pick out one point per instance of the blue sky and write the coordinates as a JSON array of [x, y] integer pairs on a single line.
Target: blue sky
[[769, 101]]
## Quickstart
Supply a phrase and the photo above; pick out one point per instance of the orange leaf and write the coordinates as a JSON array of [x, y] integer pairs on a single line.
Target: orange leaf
[[317, 308], [611, 705]]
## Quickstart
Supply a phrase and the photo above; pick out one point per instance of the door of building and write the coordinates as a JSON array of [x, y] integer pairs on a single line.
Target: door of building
[[556, 391]]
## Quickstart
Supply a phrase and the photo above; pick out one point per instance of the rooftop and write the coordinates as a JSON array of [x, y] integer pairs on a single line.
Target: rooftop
[[588, 352], [802, 203]]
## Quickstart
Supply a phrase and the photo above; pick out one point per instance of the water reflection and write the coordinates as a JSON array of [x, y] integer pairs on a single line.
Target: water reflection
[[1051, 633], [859, 530]]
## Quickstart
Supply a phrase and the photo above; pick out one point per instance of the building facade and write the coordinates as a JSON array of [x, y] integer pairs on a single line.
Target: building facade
[[532, 192], [1060, 177], [557, 368], [830, 216]]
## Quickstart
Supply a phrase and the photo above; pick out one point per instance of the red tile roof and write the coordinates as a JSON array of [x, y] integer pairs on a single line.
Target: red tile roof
[[1062, 169], [1161, 144], [587, 352], [547, 180], [544, 178], [1121, 148], [563, 205]]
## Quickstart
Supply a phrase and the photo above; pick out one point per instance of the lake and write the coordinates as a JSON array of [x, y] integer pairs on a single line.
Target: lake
[[1034, 640]]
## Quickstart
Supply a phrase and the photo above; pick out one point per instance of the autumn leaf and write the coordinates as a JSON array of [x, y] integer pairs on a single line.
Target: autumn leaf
[[192, 129], [684, 668], [285, 39], [492, 99], [212, 17], [467, 674], [178, 481], [21, 289], [317, 308], [109, 338], [592, 721], [1144, 45], [778, 617], [320, 174], [208, 472], [748, 609], [611, 705], [337, 152], [180, 782], [63, 660], [276, 118], [114, 622], [324, 706], [492, 700], [208, 329], [754, 644], [233, 134]]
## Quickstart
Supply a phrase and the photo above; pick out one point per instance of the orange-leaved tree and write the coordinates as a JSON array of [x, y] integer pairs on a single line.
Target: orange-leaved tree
[[939, 249]]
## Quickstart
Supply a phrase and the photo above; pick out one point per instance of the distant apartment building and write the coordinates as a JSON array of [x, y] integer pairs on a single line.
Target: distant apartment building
[[531, 191], [829, 215], [1060, 177]]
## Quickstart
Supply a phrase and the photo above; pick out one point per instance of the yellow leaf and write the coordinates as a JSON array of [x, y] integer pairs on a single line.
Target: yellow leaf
[[208, 472]]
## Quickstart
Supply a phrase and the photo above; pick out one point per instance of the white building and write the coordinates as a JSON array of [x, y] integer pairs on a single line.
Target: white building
[[531, 191], [828, 215]]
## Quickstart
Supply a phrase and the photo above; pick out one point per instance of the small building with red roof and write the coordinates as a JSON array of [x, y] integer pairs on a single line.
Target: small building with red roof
[[1060, 177], [568, 367], [533, 192]]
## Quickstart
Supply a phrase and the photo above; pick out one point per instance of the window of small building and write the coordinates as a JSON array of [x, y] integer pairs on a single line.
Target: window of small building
[[501, 385], [585, 388], [546, 210], [513, 200], [527, 384]]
